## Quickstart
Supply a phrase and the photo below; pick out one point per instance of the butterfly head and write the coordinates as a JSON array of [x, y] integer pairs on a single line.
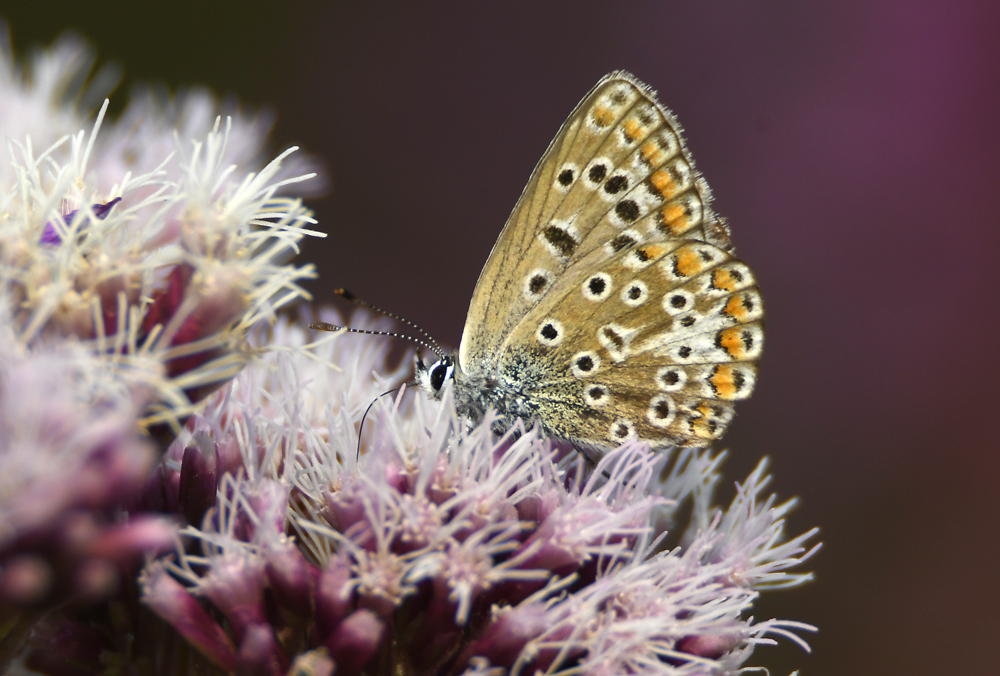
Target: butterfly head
[[432, 377]]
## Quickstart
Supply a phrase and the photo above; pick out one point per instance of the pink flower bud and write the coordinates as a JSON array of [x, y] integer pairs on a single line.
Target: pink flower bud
[[174, 603], [355, 641]]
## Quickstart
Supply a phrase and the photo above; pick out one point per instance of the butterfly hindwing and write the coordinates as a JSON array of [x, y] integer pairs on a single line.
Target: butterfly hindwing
[[617, 173], [656, 342]]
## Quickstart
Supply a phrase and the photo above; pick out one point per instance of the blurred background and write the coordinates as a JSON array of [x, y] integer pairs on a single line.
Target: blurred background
[[855, 148]]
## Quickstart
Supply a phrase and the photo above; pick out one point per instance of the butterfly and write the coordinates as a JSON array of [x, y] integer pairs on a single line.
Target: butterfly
[[611, 307]]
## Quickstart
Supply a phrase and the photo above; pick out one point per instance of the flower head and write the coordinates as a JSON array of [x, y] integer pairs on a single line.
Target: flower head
[[140, 243], [70, 452], [471, 552]]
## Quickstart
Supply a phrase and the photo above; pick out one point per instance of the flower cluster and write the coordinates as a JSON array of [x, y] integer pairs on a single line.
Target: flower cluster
[[442, 549], [135, 255], [310, 514], [156, 250], [67, 459]]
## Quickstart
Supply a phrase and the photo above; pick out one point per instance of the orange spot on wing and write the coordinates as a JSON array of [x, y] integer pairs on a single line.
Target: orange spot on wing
[[702, 426], [603, 116], [732, 342], [652, 154], [723, 381], [688, 262], [675, 218], [632, 129], [664, 183], [653, 251], [736, 309], [724, 280]]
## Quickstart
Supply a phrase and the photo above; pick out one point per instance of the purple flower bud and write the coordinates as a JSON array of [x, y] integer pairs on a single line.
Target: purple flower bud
[[268, 501], [334, 597], [235, 585], [502, 639], [562, 551], [143, 534], [259, 653], [537, 508], [708, 645], [173, 603], [344, 508], [293, 580], [355, 641], [199, 478]]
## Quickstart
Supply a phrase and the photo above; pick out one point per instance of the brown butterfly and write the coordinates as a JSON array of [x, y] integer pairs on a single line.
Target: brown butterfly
[[611, 307]]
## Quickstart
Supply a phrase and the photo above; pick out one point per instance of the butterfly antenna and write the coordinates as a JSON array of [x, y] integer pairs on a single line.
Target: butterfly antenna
[[348, 296], [361, 427], [323, 326]]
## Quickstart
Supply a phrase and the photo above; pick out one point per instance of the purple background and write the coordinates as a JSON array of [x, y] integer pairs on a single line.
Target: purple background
[[855, 148]]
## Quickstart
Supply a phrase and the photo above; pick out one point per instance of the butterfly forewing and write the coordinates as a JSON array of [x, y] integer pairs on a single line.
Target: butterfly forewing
[[616, 173]]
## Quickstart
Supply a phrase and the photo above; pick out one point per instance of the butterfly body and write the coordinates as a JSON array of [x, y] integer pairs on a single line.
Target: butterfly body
[[611, 306]]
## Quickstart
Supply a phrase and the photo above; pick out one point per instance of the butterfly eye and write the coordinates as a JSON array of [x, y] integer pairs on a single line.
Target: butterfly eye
[[438, 373]]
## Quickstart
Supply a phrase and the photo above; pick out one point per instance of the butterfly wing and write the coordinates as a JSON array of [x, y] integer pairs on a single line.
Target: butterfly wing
[[617, 173], [656, 342]]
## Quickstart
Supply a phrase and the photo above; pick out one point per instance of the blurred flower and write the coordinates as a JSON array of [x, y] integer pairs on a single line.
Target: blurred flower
[[69, 454], [135, 257], [136, 241], [460, 551]]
